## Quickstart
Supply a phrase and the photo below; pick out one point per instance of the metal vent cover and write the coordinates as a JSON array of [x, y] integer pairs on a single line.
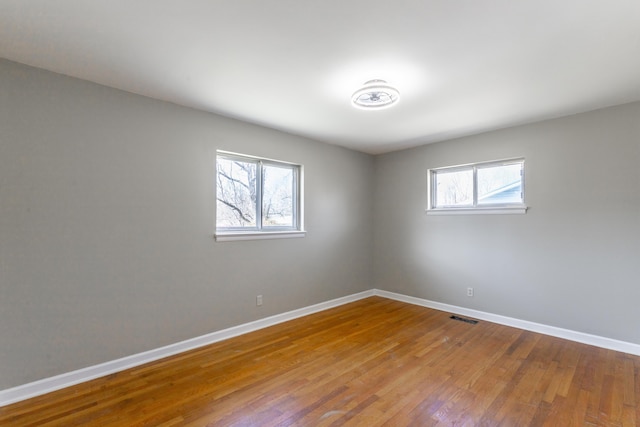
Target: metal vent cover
[[463, 319]]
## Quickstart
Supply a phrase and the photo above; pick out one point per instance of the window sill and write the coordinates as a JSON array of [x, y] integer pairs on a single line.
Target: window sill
[[479, 211], [231, 236]]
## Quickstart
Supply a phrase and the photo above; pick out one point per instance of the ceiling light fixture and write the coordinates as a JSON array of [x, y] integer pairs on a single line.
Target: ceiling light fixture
[[374, 95]]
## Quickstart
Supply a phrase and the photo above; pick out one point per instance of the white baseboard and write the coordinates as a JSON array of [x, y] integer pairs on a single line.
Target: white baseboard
[[58, 382], [47, 385], [595, 340]]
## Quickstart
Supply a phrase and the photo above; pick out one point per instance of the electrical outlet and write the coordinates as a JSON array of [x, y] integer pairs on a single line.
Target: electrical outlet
[[469, 292], [259, 300]]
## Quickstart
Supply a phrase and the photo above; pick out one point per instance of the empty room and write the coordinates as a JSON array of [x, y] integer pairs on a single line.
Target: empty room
[[278, 213]]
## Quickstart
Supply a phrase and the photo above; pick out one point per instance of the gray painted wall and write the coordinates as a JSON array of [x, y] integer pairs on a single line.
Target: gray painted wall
[[573, 261], [107, 216]]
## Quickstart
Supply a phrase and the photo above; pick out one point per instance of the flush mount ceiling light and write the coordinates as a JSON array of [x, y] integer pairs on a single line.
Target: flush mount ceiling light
[[374, 95]]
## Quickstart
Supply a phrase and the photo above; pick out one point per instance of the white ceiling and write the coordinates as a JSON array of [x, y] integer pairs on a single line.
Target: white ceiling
[[461, 66]]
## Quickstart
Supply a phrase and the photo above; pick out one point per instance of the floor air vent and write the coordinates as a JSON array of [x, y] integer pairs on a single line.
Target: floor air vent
[[462, 319]]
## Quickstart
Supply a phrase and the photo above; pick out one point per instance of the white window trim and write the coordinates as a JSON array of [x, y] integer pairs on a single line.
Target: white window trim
[[474, 210], [478, 211], [230, 235], [234, 236]]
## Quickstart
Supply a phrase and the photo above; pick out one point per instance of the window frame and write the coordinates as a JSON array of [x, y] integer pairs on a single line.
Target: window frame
[[259, 231], [475, 207]]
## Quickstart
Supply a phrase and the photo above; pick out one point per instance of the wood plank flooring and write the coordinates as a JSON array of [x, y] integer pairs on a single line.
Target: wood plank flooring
[[373, 362]]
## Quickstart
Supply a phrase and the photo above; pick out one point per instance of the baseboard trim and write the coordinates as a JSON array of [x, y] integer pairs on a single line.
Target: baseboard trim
[[47, 385], [595, 340]]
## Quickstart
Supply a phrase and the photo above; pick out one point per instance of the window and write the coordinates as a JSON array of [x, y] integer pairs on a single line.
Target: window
[[491, 187], [257, 198]]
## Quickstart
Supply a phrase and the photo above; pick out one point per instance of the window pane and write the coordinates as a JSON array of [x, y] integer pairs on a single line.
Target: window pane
[[236, 193], [278, 191], [454, 188], [500, 184]]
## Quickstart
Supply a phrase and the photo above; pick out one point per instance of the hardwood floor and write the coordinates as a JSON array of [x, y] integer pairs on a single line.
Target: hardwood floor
[[369, 363]]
